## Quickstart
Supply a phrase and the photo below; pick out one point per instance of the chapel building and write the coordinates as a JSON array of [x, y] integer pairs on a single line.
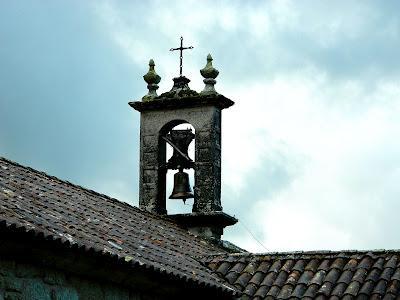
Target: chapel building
[[61, 241]]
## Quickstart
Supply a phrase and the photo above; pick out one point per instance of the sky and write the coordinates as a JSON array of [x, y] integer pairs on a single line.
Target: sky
[[310, 150]]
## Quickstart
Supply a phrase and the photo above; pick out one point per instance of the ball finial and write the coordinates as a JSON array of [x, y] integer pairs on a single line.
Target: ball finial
[[209, 73], [152, 79]]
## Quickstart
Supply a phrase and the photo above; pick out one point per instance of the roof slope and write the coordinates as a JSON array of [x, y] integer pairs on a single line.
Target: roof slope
[[314, 275], [61, 210]]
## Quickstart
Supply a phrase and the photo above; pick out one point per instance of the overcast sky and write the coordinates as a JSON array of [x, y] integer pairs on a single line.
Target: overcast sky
[[311, 149]]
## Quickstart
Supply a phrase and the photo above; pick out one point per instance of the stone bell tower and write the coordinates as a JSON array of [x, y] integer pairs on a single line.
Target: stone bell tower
[[158, 116]]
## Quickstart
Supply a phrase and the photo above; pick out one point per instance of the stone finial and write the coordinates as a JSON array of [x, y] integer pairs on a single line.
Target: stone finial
[[209, 73], [151, 78]]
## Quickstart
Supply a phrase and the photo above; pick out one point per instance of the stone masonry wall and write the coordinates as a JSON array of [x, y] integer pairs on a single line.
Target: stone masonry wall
[[28, 282]]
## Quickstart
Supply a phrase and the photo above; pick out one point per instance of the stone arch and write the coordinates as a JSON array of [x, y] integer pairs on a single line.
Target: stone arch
[[161, 157]]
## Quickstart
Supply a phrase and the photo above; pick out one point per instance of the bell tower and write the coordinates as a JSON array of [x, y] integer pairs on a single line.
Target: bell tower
[[158, 116]]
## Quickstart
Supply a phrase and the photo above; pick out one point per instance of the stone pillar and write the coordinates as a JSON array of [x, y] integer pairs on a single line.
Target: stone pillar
[[152, 176], [208, 166]]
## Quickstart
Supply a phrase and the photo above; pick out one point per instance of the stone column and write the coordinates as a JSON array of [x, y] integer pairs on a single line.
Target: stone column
[[208, 166]]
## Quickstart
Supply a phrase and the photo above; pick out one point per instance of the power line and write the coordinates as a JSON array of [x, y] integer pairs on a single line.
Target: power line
[[253, 236]]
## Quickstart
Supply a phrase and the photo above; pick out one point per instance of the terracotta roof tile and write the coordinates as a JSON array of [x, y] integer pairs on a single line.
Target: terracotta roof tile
[[257, 278], [380, 288], [338, 263], [362, 297], [367, 288], [306, 277], [326, 289], [318, 277], [374, 275], [71, 215], [351, 265], [326, 274], [396, 274], [269, 279], [345, 277], [353, 288], [365, 263], [281, 278], [293, 277], [392, 262], [393, 287], [262, 291], [360, 275], [251, 268], [242, 280], [285, 292], [379, 263], [332, 276], [311, 290], [223, 268], [288, 265], [264, 266], [274, 291], [250, 289], [312, 265], [300, 265], [389, 297], [238, 267], [276, 266], [231, 276], [324, 265], [387, 273], [299, 290], [339, 289]]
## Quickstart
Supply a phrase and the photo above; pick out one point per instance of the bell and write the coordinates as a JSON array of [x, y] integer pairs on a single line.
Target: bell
[[182, 188]]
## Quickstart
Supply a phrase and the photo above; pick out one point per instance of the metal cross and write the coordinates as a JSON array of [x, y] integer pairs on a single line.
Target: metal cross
[[181, 48]]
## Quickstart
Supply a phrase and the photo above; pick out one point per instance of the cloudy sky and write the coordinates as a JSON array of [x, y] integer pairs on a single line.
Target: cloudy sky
[[311, 150]]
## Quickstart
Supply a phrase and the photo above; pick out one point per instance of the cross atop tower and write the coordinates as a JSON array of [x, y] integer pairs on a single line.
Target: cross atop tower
[[181, 48]]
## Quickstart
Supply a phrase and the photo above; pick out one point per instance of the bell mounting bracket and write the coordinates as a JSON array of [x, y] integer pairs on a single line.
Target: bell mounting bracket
[[179, 141]]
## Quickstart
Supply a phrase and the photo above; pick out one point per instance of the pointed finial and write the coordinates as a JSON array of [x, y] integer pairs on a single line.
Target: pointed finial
[[151, 78], [209, 73]]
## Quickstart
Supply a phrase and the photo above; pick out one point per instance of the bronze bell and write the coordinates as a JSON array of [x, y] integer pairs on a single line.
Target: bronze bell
[[182, 188]]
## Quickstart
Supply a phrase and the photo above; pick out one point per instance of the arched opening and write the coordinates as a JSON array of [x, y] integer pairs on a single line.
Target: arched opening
[[169, 154]]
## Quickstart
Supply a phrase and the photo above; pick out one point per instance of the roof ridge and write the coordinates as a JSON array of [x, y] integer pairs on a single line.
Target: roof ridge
[[114, 200], [301, 254]]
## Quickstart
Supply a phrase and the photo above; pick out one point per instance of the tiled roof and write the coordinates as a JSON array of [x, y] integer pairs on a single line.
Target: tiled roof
[[313, 275], [63, 211]]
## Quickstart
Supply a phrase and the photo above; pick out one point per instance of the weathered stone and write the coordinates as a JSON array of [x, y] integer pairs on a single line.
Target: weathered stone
[[149, 176], [150, 159], [113, 293], [87, 290], [35, 289], [64, 293], [2, 282], [12, 283], [55, 285], [6, 266], [157, 118], [12, 295], [24, 270], [53, 277]]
